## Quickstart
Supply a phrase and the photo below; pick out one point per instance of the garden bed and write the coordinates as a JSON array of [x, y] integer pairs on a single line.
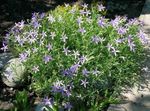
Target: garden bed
[[30, 94]]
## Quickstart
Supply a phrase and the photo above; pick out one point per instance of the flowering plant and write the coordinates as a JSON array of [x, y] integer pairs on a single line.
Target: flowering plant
[[78, 59]]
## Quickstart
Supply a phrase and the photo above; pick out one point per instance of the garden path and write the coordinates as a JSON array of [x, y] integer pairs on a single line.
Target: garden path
[[137, 98]]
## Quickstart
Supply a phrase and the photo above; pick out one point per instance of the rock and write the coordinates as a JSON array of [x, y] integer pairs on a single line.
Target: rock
[[13, 74], [4, 58], [5, 105]]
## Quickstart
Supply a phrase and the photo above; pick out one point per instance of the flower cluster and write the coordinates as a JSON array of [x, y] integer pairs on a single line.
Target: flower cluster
[[76, 55]]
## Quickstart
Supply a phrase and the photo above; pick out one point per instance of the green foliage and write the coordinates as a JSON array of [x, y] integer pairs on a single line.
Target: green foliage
[[76, 56]]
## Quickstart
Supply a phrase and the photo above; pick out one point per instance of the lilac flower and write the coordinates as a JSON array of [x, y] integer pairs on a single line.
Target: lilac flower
[[66, 5], [82, 59], [85, 6], [35, 69], [85, 72], [121, 30], [42, 15], [43, 34], [23, 56], [89, 20], [34, 49], [66, 92], [72, 11], [95, 39], [68, 106], [20, 25], [47, 58], [32, 40], [87, 12], [66, 51], [36, 25], [101, 7], [79, 20], [114, 51], [101, 22], [131, 43], [28, 52], [58, 87], [109, 46], [76, 54], [82, 12], [48, 102], [50, 18], [64, 38], [53, 35], [74, 68], [101, 39], [84, 83], [5, 47], [49, 47], [82, 30], [96, 72], [132, 46], [142, 36], [119, 40]]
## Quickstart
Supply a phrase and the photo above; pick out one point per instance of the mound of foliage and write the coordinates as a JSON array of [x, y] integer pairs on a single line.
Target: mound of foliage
[[77, 58]]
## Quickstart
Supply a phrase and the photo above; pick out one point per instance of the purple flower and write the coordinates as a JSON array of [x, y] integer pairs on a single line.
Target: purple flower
[[50, 18], [114, 51], [20, 25], [109, 46], [85, 72], [66, 51], [5, 47], [101, 22], [64, 38], [47, 58], [82, 30], [74, 68], [53, 35], [82, 59], [36, 24], [121, 30], [101, 7], [84, 83], [119, 40], [95, 39], [76, 54], [35, 69], [85, 6], [23, 56], [142, 36], [42, 15], [58, 87], [79, 20], [34, 50], [87, 12], [48, 102], [96, 72], [131, 43], [49, 47], [68, 106], [43, 34]]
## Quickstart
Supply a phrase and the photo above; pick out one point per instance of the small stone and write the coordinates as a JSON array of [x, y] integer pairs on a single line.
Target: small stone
[[13, 74]]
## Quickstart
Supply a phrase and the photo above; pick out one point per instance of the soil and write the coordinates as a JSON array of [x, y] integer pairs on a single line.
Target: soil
[[12, 11]]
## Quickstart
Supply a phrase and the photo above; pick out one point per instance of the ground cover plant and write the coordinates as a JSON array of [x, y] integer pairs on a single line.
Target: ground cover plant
[[78, 59]]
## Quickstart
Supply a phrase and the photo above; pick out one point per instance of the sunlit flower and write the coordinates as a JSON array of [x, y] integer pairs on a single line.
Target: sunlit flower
[[47, 58], [84, 83]]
